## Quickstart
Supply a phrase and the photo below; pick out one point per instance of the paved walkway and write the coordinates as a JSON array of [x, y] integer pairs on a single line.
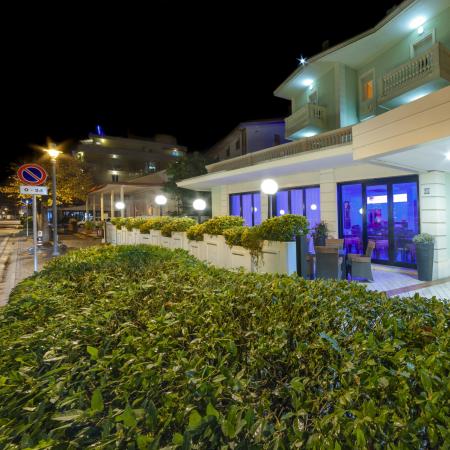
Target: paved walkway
[[21, 263]]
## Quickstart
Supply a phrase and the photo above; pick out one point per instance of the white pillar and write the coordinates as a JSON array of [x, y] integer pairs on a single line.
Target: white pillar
[[102, 208], [328, 201], [434, 212], [93, 208], [112, 204], [122, 199], [87, 207]]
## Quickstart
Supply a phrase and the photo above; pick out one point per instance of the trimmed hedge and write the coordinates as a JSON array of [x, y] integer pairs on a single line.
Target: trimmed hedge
[[177, 224], [141, 347]]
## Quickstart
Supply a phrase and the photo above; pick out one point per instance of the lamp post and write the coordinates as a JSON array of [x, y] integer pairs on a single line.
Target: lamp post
[[54, 153], [269, 187], [160, 200], [199, 205]]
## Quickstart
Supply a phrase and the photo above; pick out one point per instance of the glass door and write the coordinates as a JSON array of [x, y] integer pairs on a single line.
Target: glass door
[[377, 219]]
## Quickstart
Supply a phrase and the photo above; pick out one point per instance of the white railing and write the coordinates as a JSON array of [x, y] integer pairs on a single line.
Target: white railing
[[340, 136], [410, 74], [309, 114]]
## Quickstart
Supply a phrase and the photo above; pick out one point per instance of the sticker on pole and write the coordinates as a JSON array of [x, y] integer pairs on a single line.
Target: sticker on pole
[[32, 174], [33, 190]]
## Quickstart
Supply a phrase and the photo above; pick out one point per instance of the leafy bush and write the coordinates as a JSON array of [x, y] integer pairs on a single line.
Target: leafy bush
[[141, 347], [233, 235], [320, 231], [423, 238], [196, 232], [154, 223], [177, 224], [119, 222], [217, 225], [134, 223], [89, 225], [283, 228]]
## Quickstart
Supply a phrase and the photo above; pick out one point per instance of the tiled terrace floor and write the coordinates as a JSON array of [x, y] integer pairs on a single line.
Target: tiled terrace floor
[[404, 283]]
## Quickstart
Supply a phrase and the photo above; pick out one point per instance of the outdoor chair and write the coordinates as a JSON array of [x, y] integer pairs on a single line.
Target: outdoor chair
[[328, 263], [335, 243], [361, 266]]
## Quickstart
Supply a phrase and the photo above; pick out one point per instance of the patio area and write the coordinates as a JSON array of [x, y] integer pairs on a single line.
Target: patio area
[[398, 281]]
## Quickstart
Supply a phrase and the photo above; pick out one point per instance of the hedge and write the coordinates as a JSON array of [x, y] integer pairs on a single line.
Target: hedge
[[141, 347]]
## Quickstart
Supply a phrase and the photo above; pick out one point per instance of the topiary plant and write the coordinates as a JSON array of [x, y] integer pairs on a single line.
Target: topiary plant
[[177, 224], [154, 223], [217, 225], [423, 238], [196, 232], [283, 228]]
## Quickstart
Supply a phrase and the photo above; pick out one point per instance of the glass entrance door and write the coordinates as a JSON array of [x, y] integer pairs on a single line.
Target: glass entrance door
[[385, 211], [377, 220]]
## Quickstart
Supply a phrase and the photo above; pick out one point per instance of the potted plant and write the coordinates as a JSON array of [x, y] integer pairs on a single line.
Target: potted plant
[[320, 233], [424, 256]]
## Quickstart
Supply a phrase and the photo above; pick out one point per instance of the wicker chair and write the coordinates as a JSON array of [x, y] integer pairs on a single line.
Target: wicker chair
[[328, 263], [335, 243], [361, 266]]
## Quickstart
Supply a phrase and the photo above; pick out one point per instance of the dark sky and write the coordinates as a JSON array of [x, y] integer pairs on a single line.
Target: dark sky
[[191, 69]]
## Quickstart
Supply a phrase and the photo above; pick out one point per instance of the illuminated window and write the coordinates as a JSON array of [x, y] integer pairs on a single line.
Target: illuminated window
[[367, 86], [368, 90]]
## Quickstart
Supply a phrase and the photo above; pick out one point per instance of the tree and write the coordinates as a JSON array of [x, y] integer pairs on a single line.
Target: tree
[[185, 167]]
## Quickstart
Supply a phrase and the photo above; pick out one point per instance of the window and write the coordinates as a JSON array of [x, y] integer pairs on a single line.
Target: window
[[248, 206], [422, 45], [313, 97], [367, 86], [115, 178]]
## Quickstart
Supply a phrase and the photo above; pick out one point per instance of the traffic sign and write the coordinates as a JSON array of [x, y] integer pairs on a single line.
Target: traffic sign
[[32, 174], [33, 190]]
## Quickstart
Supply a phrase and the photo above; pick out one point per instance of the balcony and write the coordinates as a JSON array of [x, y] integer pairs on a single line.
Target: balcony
[[341, 136], [307, 121], [418, 77]]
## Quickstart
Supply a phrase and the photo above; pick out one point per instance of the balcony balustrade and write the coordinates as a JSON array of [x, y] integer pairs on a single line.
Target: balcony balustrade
[[309, 118]]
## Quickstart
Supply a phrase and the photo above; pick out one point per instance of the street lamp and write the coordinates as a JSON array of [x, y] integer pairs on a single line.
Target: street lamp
[[53, 152], [120, 205], [269, 187], [199, 205], [160, 200]]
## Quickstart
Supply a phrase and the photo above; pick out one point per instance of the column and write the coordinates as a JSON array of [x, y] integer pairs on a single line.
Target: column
[[328, 201], [122, 199], [112, 204], [102, 208], [93, 208], [434, 210], [87, 207]]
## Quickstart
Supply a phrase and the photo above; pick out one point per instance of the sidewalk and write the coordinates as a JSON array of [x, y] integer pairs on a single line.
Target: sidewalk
[[21, 262]]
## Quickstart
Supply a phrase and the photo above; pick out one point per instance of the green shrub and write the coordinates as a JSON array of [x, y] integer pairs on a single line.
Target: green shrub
[[283, 228], [177, 224], [141, 347], [423, 238], [196, 232], [154, 223], [233, 235], [134, 223], [89, 225], [119, 222], [217, 225]]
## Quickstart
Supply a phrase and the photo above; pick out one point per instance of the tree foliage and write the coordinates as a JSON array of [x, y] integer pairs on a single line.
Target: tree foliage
[[182, 169], [73, 181]]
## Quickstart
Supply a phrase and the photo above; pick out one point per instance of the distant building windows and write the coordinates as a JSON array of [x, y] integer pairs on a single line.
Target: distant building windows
[[115, 177], [150, 167], [276, 139]]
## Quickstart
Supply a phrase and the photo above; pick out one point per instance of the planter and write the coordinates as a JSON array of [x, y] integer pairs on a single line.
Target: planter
[[301, 256], [197, 249], [240, 257], [319, 241], [136, 235], [166, 242], [155, 237], [217, 251], [111, 233], [120, 237], [179, 240], [145, 239], [424, 259], [277, 257]]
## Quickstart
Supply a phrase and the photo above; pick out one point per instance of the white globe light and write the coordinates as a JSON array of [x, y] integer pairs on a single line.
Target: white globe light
[[199, 204], [161, 199], [269, 186], [313, 206], [282, 212], [120, 205]]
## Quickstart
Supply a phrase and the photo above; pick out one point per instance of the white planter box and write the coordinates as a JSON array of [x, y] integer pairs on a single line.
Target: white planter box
[[121, 237], [240, 257], [145, 239], [217, 251], [136, 236], [277, 257], [166, 242], [110, 233], [197, 249], [155, 237], [179, 240]]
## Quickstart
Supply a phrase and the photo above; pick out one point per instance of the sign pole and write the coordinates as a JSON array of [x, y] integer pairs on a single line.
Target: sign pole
[[26, 204], [35, 256]]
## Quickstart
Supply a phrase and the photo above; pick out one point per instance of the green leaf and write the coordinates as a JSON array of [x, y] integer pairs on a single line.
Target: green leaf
[[211, 411], [127, 417], [178, 439], [195, 420], [360, 438], [97, 401], [331, 340], [93, 352], [68, 416]]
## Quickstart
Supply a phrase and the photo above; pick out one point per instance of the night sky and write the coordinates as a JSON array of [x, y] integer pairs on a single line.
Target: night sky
[[191, 70]]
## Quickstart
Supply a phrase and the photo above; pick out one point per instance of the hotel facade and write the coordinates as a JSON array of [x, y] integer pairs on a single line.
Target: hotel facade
[[370, 142]]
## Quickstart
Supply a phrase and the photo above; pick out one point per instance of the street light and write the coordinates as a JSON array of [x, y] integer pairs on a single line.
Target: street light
[[269, 187], [53, 152], [120, 205], [199, 205], [160, 200]]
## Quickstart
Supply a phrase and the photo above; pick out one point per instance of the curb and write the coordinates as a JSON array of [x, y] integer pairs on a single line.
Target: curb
[[4, 258]]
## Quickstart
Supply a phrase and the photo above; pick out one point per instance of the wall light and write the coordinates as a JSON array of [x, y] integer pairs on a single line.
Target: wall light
[[447, 155], [120, 205], [308, 82], [420, 30], [417, 22]]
